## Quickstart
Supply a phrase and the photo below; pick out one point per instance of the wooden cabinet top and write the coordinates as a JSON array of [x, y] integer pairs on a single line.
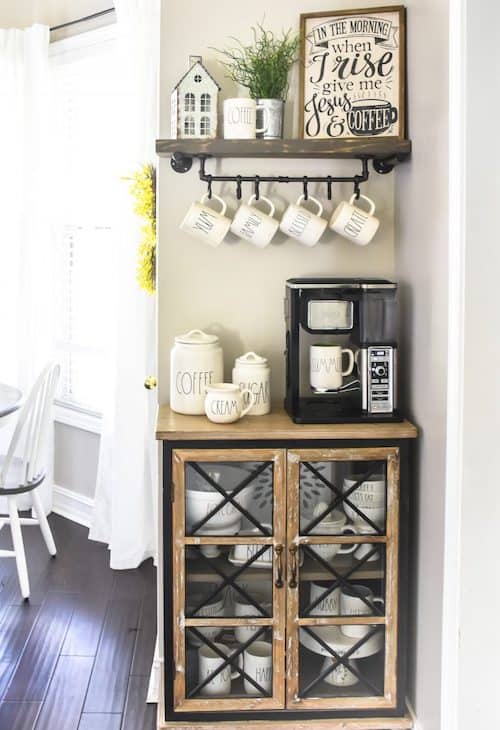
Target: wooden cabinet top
[[276, 425]]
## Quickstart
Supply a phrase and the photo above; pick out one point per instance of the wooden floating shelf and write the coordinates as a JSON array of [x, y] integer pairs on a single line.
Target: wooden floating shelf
[[381, 149]]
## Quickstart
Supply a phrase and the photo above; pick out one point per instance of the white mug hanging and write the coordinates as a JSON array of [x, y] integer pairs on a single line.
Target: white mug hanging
[[353, 223], [205, 223], [253, 224], [302, 224]]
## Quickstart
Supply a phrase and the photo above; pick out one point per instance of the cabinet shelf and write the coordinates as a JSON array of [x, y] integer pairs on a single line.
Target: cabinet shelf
[[310, 570]]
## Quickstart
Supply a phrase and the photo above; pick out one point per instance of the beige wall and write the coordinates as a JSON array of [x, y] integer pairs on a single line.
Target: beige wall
[[422, 269], [236, 289]]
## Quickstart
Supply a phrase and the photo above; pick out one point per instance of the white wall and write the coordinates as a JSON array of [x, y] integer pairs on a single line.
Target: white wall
[[421, 235], [236, 289], [472, 639]]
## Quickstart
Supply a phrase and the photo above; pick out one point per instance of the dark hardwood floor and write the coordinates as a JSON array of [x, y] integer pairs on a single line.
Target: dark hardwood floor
[[77, 656]]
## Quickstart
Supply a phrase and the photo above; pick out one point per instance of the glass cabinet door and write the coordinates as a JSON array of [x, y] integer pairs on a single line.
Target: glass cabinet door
[[229, 529], [342, 552]]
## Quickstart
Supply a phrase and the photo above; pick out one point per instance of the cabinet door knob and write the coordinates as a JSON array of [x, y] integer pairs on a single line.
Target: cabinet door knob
[[293, 566], [150, 383]]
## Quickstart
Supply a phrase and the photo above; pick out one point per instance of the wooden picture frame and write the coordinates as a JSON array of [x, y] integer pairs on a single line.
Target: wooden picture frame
[[369, 66]]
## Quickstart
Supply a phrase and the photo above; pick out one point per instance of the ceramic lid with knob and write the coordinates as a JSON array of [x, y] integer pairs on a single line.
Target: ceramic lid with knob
[[251, 358], [196, 337]]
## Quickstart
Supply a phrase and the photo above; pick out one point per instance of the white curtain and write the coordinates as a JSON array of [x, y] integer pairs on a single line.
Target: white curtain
[[26, 269], [124, 514]]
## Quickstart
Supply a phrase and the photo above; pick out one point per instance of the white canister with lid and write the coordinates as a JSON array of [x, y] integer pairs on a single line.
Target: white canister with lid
[[195, 361], [253, 372]]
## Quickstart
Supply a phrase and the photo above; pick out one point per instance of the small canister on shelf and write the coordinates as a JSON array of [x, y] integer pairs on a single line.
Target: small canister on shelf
[[196, 361], [253, 372]]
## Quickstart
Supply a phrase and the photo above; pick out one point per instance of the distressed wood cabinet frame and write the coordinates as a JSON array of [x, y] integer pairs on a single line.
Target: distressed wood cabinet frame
[[188, 439]]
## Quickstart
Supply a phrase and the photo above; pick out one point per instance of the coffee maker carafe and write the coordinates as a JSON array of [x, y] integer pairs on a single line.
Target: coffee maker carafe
[[341, 350]]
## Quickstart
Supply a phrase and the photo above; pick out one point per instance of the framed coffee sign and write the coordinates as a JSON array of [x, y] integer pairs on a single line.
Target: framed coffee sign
[[353, 73]]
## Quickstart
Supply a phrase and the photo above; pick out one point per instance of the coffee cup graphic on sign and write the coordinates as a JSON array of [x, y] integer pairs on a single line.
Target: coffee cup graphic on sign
[[205, 223], [368, 117], [354, 223]]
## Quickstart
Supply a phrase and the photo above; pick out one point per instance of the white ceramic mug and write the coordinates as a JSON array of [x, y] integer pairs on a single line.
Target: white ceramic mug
[[352, 605], [208, 662], [225, 402], [242, 609], [214, 609], [370, 493], [365, 548], [205, 223], [253, 224], [333, 524], [258, 664], [341, 676], [325, 367], [329, 605], [355, 223], [242, 553], [302, 224], [240, 118]]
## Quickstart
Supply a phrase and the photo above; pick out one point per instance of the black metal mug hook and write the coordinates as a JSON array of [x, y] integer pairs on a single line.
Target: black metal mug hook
[[257, 187], [357, 191], [305, 183], [329, 187], [209, 187], [238, 187]]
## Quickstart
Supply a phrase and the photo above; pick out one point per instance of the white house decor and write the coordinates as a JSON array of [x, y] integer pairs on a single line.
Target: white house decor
[[194, 103]]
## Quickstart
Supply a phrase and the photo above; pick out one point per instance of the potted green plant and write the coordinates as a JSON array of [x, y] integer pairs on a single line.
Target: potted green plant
[[263, 68]]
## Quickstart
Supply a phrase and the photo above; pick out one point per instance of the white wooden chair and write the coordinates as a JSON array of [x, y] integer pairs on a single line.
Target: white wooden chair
[[24, 473]]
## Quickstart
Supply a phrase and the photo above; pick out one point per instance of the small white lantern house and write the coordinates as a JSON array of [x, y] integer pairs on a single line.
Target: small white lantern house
[[194, 103]]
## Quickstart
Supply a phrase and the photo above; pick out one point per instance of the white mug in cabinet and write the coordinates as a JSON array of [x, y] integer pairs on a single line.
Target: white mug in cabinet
[[252, 371], [195, 363]]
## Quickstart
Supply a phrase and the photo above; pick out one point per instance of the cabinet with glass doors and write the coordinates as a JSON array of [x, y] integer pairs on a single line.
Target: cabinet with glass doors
[[284, 577]]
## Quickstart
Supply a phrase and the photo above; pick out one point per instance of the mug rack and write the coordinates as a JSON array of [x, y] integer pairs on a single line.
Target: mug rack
[[305, 180]]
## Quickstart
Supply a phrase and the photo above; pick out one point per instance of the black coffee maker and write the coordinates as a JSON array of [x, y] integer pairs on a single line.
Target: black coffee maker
[[327, 320]]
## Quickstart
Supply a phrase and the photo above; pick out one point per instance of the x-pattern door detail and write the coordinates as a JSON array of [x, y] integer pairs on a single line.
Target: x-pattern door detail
[[229, 584], [267, 557]]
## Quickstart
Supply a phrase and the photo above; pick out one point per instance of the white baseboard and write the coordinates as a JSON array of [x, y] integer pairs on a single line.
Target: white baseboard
[[75, 507], [411, 712]]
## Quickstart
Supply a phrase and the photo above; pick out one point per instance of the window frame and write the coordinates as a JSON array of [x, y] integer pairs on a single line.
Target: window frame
[[64, 412]]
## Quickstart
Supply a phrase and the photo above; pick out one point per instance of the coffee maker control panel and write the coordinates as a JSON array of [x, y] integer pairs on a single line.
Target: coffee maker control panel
[[381, 363]]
